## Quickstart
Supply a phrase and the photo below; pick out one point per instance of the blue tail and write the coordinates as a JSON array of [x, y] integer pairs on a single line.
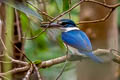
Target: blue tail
[[93, 57]]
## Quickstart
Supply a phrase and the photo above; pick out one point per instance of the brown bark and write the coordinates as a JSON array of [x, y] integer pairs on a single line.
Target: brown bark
[[102, 35]]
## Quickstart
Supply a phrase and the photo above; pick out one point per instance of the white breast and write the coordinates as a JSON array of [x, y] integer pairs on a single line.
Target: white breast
[[74, 51]]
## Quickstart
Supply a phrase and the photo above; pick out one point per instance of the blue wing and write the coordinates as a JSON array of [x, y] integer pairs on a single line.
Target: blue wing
[[77, 39]]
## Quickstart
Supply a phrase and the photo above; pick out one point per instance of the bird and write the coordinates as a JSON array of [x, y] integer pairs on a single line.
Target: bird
[[76, 39]]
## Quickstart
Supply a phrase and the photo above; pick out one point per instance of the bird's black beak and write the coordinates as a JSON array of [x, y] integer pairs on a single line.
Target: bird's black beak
[[51, 25]]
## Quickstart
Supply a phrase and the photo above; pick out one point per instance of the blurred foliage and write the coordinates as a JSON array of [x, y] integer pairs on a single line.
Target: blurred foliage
[[52, 9], [65, 5], [59, 4], [22, 7]]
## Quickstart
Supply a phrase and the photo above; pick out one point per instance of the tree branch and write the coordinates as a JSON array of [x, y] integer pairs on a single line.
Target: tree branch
[[15, 70], [107, 55], [99, 20], [111, 7], [37, 72], [29, 72], [65, 12]]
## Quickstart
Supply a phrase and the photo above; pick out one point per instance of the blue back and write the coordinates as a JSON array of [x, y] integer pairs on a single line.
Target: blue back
[[77, 39]]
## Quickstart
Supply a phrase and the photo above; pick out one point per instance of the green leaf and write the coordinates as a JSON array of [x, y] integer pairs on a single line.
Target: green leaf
[[65, 5], [59, 4], [37, 62], [23, 8]]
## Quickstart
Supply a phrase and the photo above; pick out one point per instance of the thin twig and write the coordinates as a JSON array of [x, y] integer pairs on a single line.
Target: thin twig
[[111, 50], [44, 10], [67, 49], [29, 72], [117, 57], [15, 70], [99, 20], [100, 3], [61, 72], [37, 71], [13, 60], [22, 53], [41, 12], [16, 61], [19, 51], [3, 43], [67, 11], [37, 35], [18, 25], [4, 77], [111, 7]]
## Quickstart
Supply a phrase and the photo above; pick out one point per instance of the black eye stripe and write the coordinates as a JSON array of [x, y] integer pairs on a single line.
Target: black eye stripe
[[63, 23]]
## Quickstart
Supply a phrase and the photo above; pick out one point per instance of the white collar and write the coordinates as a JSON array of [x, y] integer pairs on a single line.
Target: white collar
[[69, 29]]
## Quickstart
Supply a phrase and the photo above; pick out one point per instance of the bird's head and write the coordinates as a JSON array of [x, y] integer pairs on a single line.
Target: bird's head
[[67, 25], [64, 25]]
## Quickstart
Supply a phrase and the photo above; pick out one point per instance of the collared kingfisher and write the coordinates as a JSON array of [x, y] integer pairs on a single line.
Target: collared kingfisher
[[77, 40]]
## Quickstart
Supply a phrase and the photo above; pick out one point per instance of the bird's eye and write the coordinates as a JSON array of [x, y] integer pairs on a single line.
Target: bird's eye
[[62, 23]]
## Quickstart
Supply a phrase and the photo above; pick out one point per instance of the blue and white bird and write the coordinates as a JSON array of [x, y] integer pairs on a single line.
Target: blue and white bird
[[76, 39]]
